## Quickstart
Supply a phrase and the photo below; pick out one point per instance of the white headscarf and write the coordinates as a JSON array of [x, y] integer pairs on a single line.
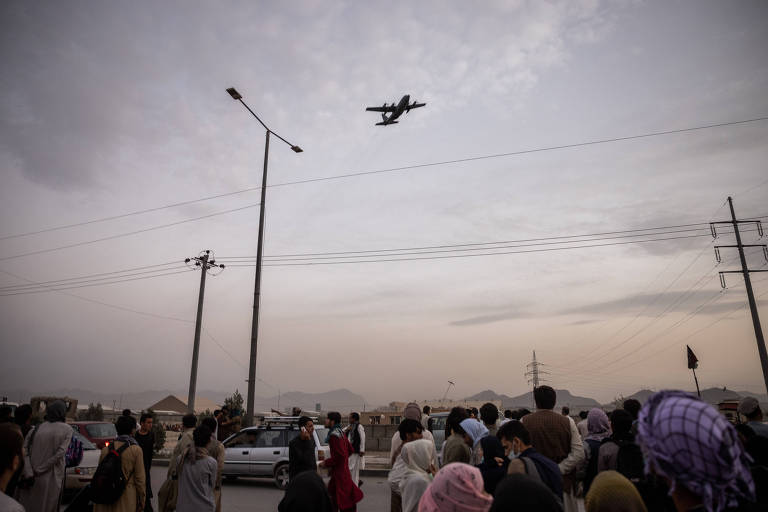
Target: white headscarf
[[416, 478]]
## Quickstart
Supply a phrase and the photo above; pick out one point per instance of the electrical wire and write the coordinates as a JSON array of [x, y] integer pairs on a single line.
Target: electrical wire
[[87, 279], [101, 283], [395, 169]]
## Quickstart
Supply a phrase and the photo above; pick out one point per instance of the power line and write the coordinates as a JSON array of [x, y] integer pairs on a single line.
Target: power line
[[120, 235], [393, 169], [55, 288]]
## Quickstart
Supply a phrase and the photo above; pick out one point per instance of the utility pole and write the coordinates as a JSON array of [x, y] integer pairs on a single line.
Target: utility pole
[[204, 261], [534, 373], [745, 271]]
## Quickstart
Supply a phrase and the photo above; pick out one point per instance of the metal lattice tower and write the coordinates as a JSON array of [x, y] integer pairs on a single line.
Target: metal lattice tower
[[534, 374]]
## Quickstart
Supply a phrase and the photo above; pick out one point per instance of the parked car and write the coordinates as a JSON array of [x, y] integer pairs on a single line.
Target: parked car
[[100, 433], [262, 451], [81, 475], [438, 428]]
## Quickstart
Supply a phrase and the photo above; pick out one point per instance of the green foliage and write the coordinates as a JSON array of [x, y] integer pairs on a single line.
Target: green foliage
[[93, 413], [235, 402]]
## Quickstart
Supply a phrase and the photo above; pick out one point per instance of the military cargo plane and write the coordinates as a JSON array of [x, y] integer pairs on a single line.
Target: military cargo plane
[[394, 110]]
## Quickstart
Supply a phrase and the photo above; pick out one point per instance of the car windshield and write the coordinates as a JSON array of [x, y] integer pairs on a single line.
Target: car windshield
[[87, 445], [322, 433], [101, 430]]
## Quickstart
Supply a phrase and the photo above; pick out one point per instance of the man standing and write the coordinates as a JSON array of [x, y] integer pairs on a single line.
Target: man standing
[[146, 439], [489, 415], [216, 450], [517, 442], [411, 412], [750, 408], [44, 451], [301, 449], [556, 437], [186, 440], [425, 417], [356, 437], [343, 491]]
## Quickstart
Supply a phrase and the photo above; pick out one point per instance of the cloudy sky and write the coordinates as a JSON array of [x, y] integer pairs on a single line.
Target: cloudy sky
[[108, 109]]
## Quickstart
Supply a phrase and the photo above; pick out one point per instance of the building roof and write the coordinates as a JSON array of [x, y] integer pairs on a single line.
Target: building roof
[[172, 403]]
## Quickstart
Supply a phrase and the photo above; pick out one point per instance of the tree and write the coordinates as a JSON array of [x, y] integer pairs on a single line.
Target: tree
[[234, 402], [93, 413]]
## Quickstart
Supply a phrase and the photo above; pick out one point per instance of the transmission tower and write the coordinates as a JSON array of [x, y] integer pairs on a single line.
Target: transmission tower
[[534, 374]]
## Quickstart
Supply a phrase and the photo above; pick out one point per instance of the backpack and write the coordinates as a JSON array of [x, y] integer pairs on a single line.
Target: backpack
[[74, 454], [109, 481], [629, 461]]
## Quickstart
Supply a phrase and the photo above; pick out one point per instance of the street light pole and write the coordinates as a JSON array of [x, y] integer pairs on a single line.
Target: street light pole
[[259, 252]]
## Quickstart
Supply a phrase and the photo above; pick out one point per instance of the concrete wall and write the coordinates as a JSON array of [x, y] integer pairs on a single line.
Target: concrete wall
[[378, 438]]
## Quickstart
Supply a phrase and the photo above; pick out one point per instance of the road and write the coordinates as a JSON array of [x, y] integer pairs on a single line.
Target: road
[[260, 494]]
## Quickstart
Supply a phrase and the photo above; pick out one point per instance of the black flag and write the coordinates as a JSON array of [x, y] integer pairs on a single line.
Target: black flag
[[693, 361]]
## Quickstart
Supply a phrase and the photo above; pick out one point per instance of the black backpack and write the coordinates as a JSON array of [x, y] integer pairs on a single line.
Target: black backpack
[[109, 481]]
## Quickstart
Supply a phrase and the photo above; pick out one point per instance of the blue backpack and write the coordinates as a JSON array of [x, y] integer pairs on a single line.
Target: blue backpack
[[74, 452]]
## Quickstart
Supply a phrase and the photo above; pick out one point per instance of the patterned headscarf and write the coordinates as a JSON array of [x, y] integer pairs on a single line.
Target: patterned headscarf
[[598, 425], [457, 487], [690, 443]]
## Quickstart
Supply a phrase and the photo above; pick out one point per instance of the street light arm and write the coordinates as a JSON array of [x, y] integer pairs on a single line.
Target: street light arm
[[295, 148]]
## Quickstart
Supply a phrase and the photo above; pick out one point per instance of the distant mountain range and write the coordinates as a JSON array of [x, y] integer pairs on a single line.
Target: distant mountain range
[[564, 397], [338, 399]]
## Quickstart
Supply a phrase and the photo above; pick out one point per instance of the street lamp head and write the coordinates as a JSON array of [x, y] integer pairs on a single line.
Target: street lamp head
[[297, 149], [233, 92]]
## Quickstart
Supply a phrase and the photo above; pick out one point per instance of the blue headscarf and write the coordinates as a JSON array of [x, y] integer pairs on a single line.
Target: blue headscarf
[[475, 430]]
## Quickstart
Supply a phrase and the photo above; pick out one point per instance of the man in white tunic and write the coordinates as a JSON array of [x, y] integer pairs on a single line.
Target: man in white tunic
[[356, 437], [44, 450]]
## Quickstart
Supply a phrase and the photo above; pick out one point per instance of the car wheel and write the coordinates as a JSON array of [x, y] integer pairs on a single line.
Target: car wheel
[[281, 476]]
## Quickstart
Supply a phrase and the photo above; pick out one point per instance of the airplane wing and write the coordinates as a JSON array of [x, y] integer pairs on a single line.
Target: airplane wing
[[415, 105], [384, 108]]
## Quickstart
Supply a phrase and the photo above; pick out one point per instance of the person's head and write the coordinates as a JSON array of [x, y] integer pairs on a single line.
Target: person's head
[[56, 411], [354, 417], [11, 453], [426, 410], [489, 414], [306, 426], [125, 425], [452, 422], [522, 493], [518, 414], [457, 487], [412, 412], [146, 420], [225, 410], [621, 424], [583, 415], [598, 423], [566, 410], [409, 430], [474, 431], [23, 414], [474, 413], [333, 419], [189, 421], [217, 413], [126, 412], [749, 407], [632, 406], [507, 414], [202, 436], [545, 397], [691, 445], [608, 490], [514, 437], [209, 422]]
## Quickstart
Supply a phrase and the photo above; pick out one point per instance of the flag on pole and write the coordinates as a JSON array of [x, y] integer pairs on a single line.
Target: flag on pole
[[693, 361]]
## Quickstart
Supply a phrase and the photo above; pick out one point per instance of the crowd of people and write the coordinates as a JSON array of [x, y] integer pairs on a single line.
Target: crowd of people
[[676, 453]]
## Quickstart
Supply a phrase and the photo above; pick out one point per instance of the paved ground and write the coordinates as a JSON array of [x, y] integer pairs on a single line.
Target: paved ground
[[257, 494]]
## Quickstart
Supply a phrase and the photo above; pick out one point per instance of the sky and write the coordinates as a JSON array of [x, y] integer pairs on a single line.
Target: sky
[[108, 109]]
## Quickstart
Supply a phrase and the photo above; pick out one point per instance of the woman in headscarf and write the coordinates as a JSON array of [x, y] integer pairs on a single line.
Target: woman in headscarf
[[417, 474], [694, 447], [44, 461], [491, 469], [521, 493], [474, 431], [457, 487], [612, 492], [306, 493], [599, 429]]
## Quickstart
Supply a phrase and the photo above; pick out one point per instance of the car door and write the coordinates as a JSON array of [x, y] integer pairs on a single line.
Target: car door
[[268, 450], [237, 453]]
